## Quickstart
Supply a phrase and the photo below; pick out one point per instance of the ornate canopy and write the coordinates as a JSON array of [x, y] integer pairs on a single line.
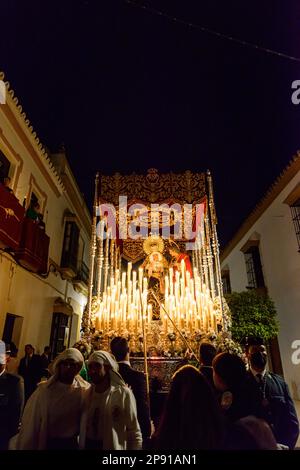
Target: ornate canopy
[[153, 187]]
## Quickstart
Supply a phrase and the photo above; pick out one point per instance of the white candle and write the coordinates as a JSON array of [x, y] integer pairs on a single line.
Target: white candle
[[129, 292], [123, 281], [134, 287], [171, 276], [182, 268], [141, 278], [129, 269], [145, 284]]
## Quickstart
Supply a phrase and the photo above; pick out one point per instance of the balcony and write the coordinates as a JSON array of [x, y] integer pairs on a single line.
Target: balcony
[[34, 247], [11, 218], [80, 282]]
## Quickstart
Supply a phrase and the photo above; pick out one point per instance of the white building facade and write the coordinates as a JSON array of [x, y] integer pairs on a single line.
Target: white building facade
[[265, 254], [43, 267]]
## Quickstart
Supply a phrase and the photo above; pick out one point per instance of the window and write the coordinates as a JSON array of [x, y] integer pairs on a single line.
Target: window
[[59, 333], [70, 246], [35, 194], [12, 329], [254, 268], [33, 199], [4, 166], [295, 209], [226, 282]]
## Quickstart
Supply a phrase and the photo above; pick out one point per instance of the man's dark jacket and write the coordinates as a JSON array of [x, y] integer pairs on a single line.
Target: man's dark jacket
[[137, 381], [31, 373], [207, 371], [11, 406], [277, 408]]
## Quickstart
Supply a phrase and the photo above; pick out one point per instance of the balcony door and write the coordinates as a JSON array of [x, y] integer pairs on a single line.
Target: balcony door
[[59, 338], [4, 166]]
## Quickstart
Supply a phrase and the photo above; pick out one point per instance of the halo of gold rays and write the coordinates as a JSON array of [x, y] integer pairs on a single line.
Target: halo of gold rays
[[152, 244]]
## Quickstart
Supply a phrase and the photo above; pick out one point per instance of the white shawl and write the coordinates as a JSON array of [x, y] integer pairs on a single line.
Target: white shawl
[[121, 429], [34, 430]]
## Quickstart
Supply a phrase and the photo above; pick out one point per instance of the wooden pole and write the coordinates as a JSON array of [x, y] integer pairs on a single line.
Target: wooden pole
[[145, 349]]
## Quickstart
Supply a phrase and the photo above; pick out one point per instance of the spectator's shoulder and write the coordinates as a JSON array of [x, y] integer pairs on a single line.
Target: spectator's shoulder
[[127, 392], [14, 378], [138, 373], [277, 378], [278, 382]]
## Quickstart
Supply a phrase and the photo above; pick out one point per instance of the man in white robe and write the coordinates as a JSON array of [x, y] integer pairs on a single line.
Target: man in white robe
[[109, 421], [52, 415]]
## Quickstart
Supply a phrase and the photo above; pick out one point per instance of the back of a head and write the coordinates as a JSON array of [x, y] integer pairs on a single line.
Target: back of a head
[[119, 348], [253, 341], [207, 352], [186, 377], [230, 368], [251, 433], [192, 418], [260, 431]]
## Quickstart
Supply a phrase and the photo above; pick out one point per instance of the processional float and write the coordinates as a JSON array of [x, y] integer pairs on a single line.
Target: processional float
[[155, 275]]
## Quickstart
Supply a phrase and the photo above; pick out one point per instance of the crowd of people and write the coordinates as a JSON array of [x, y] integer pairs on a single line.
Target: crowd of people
[[225, 403]]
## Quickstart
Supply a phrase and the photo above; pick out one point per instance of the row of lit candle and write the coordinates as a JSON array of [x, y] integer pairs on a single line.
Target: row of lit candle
[[187, 303]]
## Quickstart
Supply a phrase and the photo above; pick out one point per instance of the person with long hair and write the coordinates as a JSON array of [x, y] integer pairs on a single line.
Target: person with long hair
[[192, 418]]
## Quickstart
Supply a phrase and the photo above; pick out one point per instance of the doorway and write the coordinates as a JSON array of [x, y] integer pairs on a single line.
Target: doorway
[[12, 329], [4, 166], [59, 333]]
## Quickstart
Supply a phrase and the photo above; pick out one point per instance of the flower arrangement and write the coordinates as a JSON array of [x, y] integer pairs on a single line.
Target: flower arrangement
[[84, 347], [198, 336], [111, 334], [224, 343]]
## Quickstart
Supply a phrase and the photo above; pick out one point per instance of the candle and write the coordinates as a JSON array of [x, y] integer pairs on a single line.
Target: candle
[[117, 313], [188, 278], [181, 293], [211, 314], [118, 294], [166, 286], [191, 320], [132, 317], [129, 268], [182, 268], [123, 281], [134, 287], [129, 292], [145, 284], [141, 278]]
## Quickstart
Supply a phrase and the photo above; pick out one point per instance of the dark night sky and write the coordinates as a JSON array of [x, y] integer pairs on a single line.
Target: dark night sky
[[126, 89]]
